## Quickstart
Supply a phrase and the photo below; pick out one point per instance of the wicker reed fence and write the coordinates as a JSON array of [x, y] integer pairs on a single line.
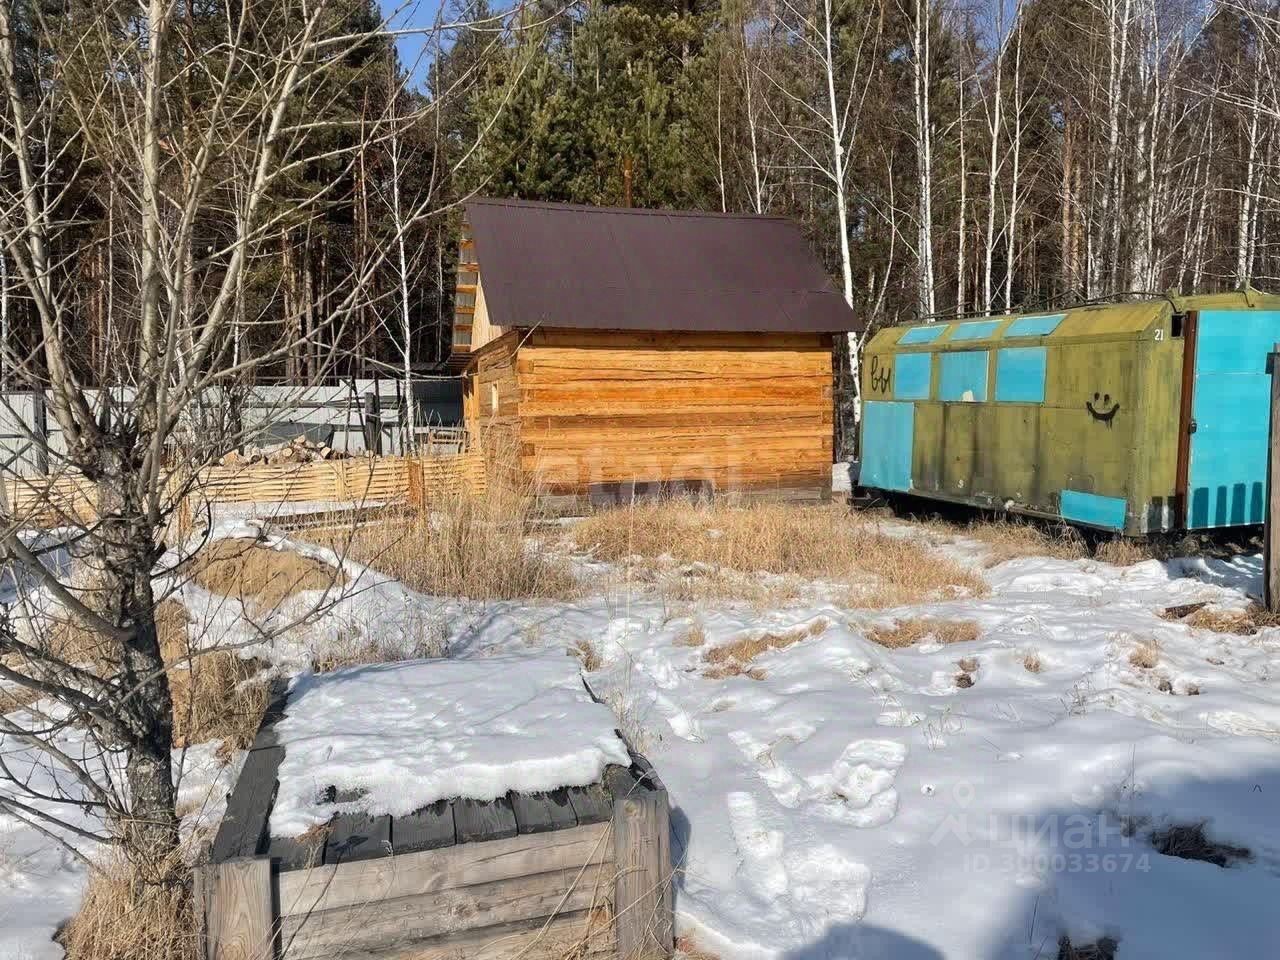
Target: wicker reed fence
[[376, 481]]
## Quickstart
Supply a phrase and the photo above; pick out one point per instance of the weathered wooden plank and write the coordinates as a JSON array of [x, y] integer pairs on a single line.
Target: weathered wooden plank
[[591, 804], [400, 922], [621, 783], [708, 423], [243, 830], [357, 836], [475, 820], [541, 812], [643, 897], [582, 934], [233, 909], [286, 853], [334, 886], [640, 765], [427, 829]]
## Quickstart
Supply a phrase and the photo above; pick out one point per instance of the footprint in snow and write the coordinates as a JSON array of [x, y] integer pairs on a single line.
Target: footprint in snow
[[860, 786], [678, 719], [820, 884], [1240, 724], [761, 849], [782, 783]]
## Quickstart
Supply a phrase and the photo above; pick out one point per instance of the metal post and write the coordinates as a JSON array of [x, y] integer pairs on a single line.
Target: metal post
[[372, 422], [1271, 542], [40, 431]]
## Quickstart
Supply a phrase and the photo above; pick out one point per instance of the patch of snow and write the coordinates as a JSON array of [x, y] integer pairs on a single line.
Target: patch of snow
[[408, 734], [855, 803], [41, 883], [852, 801]]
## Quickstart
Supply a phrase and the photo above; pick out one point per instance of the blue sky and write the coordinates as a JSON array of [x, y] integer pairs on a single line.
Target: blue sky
[[406, 14]]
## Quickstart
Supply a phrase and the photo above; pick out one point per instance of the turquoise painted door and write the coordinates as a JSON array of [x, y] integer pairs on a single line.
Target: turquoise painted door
[[887, 433], [1227, 473]]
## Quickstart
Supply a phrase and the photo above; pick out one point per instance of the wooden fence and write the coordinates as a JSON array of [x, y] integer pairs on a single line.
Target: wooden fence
[[580, 872], [49, 501], [359, 479]]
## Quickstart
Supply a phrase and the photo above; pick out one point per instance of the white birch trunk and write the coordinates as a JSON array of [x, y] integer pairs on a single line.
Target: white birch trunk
[[924, 160], [1011, 243], [1248, 206], [995, 127]]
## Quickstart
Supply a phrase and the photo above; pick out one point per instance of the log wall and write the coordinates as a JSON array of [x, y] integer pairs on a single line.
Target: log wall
[[746, 412]]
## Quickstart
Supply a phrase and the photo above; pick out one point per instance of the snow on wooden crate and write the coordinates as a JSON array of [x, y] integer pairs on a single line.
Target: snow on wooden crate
[[487, 806]]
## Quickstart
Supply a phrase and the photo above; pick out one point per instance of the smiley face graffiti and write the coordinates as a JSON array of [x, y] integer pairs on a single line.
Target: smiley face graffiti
[[1102, 408]]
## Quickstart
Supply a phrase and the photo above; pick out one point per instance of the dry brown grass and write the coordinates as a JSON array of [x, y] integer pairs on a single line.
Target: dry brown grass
[[414, 636], [1235, 622], [16, 698], [1031, 662], [687, 949], [1188, 842], [461, 546], [220, 697], [133, 912], [792, 542], [1146, 655], [1121, 552], [262, 577], [216, 695], [964, 681], [1010, 539], [906, 633], [632, 712], [588, 655], [968, 664], [734, 658], [693, 636]]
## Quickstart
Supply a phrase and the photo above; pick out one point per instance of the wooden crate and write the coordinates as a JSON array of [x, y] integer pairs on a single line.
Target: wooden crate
[[583, 872]]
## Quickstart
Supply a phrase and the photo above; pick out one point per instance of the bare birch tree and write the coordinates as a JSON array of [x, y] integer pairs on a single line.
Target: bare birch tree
[[820, 124], [202, 193]]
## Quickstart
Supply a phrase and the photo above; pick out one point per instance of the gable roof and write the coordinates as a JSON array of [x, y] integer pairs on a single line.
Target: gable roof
[[608, 268]]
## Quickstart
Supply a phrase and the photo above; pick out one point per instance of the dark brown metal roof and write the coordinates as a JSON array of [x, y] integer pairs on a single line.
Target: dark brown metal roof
[[608, 268]]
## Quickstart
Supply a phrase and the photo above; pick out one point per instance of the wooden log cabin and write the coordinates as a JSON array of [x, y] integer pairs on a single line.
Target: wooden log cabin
[[620, 351]]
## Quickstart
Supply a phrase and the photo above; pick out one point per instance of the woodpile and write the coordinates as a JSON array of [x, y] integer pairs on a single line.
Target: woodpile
[[298, 450]]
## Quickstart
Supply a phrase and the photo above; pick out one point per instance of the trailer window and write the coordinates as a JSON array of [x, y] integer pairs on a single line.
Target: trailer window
[[962, 376], [1020, 374]]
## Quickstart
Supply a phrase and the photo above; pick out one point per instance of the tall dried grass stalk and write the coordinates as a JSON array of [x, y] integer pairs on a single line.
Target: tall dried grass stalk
[[461, 545], [787, 540], [134, 911]]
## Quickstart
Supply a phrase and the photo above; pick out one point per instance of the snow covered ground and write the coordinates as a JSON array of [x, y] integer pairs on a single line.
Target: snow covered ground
[[851, 800], [403, 735], [854, 802]]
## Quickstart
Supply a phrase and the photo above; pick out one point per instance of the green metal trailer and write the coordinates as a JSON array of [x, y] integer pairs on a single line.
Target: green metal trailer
[[1139, 418]]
